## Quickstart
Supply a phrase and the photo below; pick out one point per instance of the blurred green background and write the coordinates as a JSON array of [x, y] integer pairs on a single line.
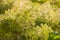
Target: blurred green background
[[29, 19]]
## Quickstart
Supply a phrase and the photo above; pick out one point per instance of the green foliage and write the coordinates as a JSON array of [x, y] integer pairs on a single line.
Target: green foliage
[[29, 20], [56, 3], [39, 1], [5, 5], [54, 36]]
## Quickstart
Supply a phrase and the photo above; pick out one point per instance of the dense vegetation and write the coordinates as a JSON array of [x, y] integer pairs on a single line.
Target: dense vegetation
[[29, 19]]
